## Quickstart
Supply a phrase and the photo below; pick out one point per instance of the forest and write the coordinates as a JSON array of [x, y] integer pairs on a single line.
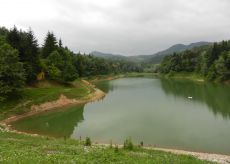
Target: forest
[[211, 62], [23, 62]]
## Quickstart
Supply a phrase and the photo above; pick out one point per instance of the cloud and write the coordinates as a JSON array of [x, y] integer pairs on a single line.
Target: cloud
[[129, 27]]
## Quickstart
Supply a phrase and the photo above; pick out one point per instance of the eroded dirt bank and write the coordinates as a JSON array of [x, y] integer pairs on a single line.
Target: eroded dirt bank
[[61, 102]]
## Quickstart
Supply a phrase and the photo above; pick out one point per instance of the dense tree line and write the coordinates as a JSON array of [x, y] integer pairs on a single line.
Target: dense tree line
[[23, 62], [212, 62]]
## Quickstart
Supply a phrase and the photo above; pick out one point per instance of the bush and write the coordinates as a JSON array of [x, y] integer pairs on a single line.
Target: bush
[[88, 141], [128, 145], [116, 149], [111, 144], [141, 143]]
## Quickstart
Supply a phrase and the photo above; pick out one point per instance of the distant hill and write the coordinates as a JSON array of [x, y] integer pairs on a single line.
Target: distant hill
[[109, 56], [158, 57], [154, 58]]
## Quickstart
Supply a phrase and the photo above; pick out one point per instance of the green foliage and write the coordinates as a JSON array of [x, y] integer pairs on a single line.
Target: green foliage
[[210, 61], [116, 149], [111, 144], [212, 75], [128, 144], [50, 45], [27, 46], [60, 66], [11, 72], [222, 66], [54, 61], [54, 73], [141, 143], [31, 56], [58, 62], [13, 38], [88, 141], [3, 33]]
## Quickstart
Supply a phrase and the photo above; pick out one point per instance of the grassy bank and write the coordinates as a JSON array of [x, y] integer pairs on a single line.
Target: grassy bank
[[138, 74], [99, 78], [184, 75], [18, 148], [42, 92]]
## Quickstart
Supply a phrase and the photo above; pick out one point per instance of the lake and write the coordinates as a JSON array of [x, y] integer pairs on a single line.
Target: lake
[[155, 111]]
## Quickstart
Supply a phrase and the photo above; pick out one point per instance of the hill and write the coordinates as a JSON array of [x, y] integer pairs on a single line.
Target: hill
[[154, 58], [158, 57], [108, 56]]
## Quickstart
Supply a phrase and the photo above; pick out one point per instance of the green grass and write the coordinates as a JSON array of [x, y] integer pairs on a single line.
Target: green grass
[[184, 75], [98, 78], [18, 148], [42, 92], [140, 74]]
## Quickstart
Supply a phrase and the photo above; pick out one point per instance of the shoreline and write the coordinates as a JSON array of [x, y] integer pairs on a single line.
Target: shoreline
[[63, 101], [185, 76], [211, 157]]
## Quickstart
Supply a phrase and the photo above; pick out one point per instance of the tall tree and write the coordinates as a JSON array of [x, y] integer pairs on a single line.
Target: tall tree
[[60, 43], [30, 56], [27, 46], [3, 32], [50, 45], [11, 72], [213, 55], [13, 38]]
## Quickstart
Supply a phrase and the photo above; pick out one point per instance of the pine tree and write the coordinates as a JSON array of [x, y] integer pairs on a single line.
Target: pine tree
[[50, 45], [13, 38], [30, 56], [60, 43], [27, 46]]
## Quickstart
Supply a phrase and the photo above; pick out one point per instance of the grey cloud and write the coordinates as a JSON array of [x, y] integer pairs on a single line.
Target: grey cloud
[[133, 27]]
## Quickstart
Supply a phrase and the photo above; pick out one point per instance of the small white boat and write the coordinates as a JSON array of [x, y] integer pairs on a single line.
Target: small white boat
[[189, 97]]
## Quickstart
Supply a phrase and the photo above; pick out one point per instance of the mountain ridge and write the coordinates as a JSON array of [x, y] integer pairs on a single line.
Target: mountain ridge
[[154, 58]]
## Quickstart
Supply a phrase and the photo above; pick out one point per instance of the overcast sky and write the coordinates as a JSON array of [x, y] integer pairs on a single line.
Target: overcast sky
[[127, 27]]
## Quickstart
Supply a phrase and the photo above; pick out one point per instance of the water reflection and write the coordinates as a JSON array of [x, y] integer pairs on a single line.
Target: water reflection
[[147, 110], [105, 86], [58, 124], [215, 96]]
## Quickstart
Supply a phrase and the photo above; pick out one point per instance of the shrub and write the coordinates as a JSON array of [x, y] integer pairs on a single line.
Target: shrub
[[111, 144], [128, 144], [116, 149], [141, 143], [87, 141]]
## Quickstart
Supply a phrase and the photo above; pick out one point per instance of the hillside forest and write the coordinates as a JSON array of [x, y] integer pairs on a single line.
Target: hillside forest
[[23, 62]]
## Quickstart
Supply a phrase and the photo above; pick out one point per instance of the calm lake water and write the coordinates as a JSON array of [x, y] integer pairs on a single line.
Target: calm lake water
[[155, 111]]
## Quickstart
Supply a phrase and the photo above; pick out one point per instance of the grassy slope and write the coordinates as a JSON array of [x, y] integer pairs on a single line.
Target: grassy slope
[[18, 148], [43, 92]]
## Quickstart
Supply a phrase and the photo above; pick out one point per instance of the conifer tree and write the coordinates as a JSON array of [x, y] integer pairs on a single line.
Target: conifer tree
[[50, 45]]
